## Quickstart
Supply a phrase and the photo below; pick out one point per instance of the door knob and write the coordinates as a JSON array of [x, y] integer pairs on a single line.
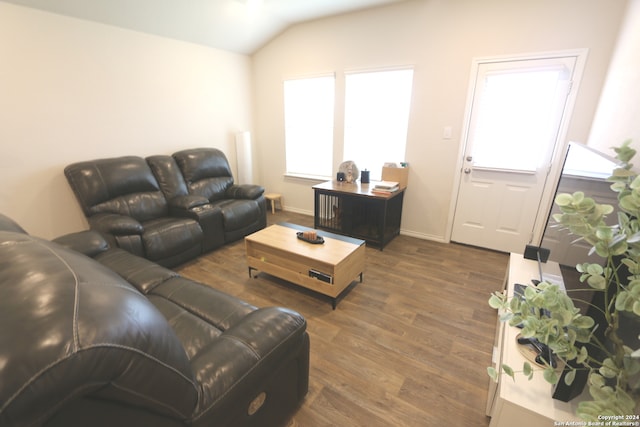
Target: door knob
[[467, 171], [469, 158]]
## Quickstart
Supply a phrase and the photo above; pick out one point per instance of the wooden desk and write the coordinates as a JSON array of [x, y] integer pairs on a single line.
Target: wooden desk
[[354, 210]]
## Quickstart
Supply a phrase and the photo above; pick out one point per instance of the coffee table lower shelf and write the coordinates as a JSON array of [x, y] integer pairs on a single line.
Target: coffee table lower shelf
[[312, 286]]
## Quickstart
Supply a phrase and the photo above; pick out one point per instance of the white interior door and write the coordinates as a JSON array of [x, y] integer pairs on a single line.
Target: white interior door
[[516, 113]]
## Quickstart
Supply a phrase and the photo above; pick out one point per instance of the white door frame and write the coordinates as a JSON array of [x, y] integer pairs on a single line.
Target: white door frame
[[558, 151]]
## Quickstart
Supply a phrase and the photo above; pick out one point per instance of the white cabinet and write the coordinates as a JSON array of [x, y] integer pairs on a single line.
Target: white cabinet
[[523, 403]]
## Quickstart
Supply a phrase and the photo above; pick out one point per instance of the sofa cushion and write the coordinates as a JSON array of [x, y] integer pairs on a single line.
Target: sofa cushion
[[201, 163], [164, 237], [168, 175], [197, 313], [123, 185], [212, 188], [238, 214], [143, 274], [245, 191], [88, 242], [141, 206], [206, 172]]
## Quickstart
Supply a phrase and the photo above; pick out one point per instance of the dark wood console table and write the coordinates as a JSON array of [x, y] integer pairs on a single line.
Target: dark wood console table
[[352, 209]]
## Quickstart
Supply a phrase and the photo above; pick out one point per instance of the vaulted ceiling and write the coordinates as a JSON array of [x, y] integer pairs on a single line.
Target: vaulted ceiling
[[241, 26]]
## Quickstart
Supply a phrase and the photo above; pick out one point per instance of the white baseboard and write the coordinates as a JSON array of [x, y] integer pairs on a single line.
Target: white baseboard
[[423, 236], [410, 233], [298, 211]]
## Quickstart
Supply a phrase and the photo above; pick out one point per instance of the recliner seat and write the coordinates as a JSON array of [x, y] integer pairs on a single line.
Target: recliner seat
[[207, 173]]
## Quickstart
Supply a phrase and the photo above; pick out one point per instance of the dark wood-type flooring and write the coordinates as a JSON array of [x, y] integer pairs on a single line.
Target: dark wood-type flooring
[[407, 347]]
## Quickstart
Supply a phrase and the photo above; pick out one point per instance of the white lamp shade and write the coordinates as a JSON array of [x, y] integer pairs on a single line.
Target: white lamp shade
[[244, 158]]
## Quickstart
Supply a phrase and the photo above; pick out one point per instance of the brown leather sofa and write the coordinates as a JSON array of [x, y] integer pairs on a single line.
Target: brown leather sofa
[[168, 209], [96, 336]]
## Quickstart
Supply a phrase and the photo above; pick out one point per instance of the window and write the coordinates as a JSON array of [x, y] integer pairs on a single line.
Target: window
[[377, 106], [308, 122], [517, 117]]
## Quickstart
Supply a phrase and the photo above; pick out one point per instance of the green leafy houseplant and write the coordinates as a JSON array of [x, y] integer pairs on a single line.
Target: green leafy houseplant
[[614, 369]]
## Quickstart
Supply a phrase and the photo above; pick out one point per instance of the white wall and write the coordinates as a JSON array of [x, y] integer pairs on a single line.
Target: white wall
[[618, 115], [74, 90], [439, 38]]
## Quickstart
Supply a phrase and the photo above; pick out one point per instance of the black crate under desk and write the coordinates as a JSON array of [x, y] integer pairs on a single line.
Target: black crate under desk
[[353, 209]]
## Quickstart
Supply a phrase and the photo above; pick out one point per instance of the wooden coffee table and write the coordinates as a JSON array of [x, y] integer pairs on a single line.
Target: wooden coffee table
[[327, 268]]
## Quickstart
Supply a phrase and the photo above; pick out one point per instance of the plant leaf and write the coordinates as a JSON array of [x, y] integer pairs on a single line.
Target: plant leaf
[[582, 356], [584, 322], [493, 373], [564, 199], [621, 300], [634, 238], [597, 282], [550, 375], [608, 368], [570, 377], [495, 301], [507, 370]]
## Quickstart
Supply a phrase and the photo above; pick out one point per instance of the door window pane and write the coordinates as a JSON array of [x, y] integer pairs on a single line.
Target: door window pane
[[517, 118]]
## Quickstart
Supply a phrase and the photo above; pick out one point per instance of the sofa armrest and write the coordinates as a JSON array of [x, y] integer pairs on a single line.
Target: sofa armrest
[[244, 191], [187, 202], [7, 224], [88, 242], [244, 358], [118, 225]]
